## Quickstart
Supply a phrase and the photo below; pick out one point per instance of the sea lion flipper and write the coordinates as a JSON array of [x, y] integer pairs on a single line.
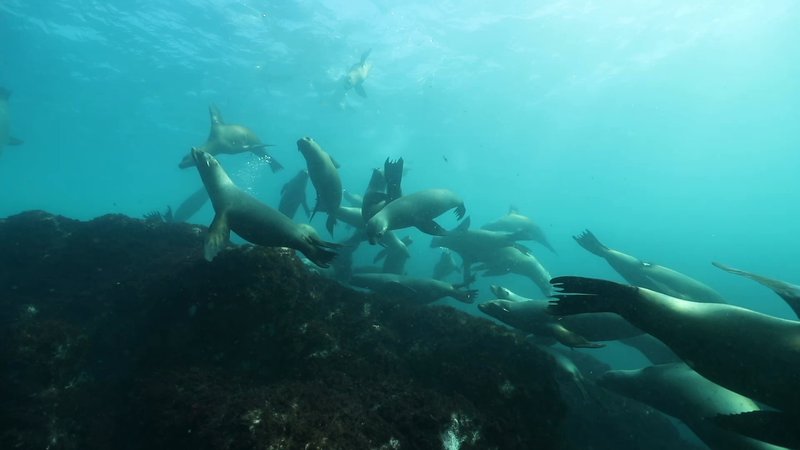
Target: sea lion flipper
[[15, 141], [365, 55], [578, 295], [261, 152], [393, 173], [360, 90], [330, 223], [334, 162], [589, 241], [216, 116], [306, 208], [431, 227], [570, 338], [218, 235], [774, 427]]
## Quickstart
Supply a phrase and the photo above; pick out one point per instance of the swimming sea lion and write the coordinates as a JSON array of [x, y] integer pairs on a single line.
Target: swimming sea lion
[[324, 174], [252, 220], [445, 266], [415, 210], [395, 258], [293, 195], [682, 393], [505, 260], [354, 79], [231, 139], [648, 275], [514, 222], [5, 119], [475, 245], [531, 317], [567, 370], [750, 353], [416, 290], [787, 291], [506, 294], [384, 187]]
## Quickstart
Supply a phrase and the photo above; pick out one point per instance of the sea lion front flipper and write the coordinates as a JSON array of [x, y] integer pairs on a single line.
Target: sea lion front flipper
[[788, 292], [589, 241], [570, 338], [330, 223], [360, 90], [578, 295], [218, 235], [774, 427], [334, 162], [259, 150], [431, 227], [14, 141]]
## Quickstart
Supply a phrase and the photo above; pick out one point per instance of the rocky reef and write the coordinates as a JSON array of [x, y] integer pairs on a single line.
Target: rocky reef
[[116, 333]]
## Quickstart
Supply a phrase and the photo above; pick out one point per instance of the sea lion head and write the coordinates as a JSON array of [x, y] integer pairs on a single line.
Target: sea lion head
[[306, 145], [376, 228], [500, 291], [494, 308], [203, 159]]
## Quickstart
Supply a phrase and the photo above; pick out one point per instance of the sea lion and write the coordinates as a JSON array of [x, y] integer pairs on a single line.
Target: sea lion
[[787, 291], [531, 317], [682, 393], [507, 294], [252, 220], [293, 195], [415, 210], [231, 139], [354, 79], [384, 187], [567, 370], [5, 119], [395, 257], [474, 245], [648, 275], [324, 173], [444, 266], [416, 290], [514, 222], [190, 205], [505, 260], [750, 353]]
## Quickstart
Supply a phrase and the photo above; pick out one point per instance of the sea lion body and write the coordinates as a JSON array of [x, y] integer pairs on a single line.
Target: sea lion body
[[416, 290], [474, 245], [252, 220], [395, 255], [293, 195], [231, 139], [5, 121], [514, 222], [444, 266], [678, 391], [506, 260], [355, 76], [651, 276], [750, 353], [324, 174], [415, 210]]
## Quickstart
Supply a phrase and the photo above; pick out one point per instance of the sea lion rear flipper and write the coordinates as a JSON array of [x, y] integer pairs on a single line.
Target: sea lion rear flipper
[[786, 291], [570, 338], [588, 241], [431, 227], [323, 252], [14, 141], [216, 116], [393, 173], [774, 427], [218, 235], [330, 223], [463, 225], [360, 90], [259, 150], [578, 295]]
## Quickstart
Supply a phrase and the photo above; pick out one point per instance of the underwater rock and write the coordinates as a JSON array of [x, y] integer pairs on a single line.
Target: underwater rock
[[116, 333]]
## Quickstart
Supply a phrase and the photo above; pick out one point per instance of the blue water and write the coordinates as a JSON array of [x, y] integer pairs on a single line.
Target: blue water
[[671, 129]]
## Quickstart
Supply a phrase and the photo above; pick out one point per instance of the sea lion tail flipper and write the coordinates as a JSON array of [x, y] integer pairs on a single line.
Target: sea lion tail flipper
[[330, 223], [216, 116], [463, 226], [365, 55], [570, 338], [460, 210], [775, 427], [590, 242], [218, 235], [431, 227], [15, 141], [321, 252], [393, 173], [578, 295], [359, 88]]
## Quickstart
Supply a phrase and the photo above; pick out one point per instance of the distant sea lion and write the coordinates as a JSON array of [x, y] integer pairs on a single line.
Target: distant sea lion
[[231, 139], [750, 353], [648, 275], [415, 210], [514, 222], [5, 120], [293, 195], [354, 79], [682, 393], [416, 290], [252, 220], [324, 174], [787, 291]]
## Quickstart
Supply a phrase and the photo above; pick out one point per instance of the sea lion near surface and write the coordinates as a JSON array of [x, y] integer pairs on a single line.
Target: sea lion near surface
[[324, 173], [787, 291], [514, 222], [416, 290], [647, 275], [750, 353], [231, 139], [680, 392], [293, 195], [355, 76], [5, 120], [252, 220], [415, 210]]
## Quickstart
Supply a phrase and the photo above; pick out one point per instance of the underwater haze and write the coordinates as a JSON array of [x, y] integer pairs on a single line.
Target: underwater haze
[[667, 128]]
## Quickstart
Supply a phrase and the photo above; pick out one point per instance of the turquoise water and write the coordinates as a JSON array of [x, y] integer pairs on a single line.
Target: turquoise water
[[670, 129]]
